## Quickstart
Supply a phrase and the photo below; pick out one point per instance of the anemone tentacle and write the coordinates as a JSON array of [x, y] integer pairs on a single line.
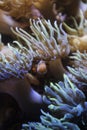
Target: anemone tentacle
[[49, 122], [80, 28], [79, 66], [14, 60], [47, 41], [65, 98]]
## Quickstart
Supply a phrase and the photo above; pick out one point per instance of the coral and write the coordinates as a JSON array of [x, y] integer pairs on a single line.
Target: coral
[[22, 10], [17, 8]]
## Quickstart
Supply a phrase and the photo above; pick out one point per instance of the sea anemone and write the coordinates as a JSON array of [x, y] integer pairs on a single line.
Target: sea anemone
[[48, 122], [77, 36], [15, 79], [65, 99], [65, 102], [16, 13], [15, 65], [38, 52], [39, 58], [79, 66], [47, 43], [79, 29]]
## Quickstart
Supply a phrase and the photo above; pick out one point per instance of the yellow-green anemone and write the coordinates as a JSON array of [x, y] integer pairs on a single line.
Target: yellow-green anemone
[[77, 36]]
